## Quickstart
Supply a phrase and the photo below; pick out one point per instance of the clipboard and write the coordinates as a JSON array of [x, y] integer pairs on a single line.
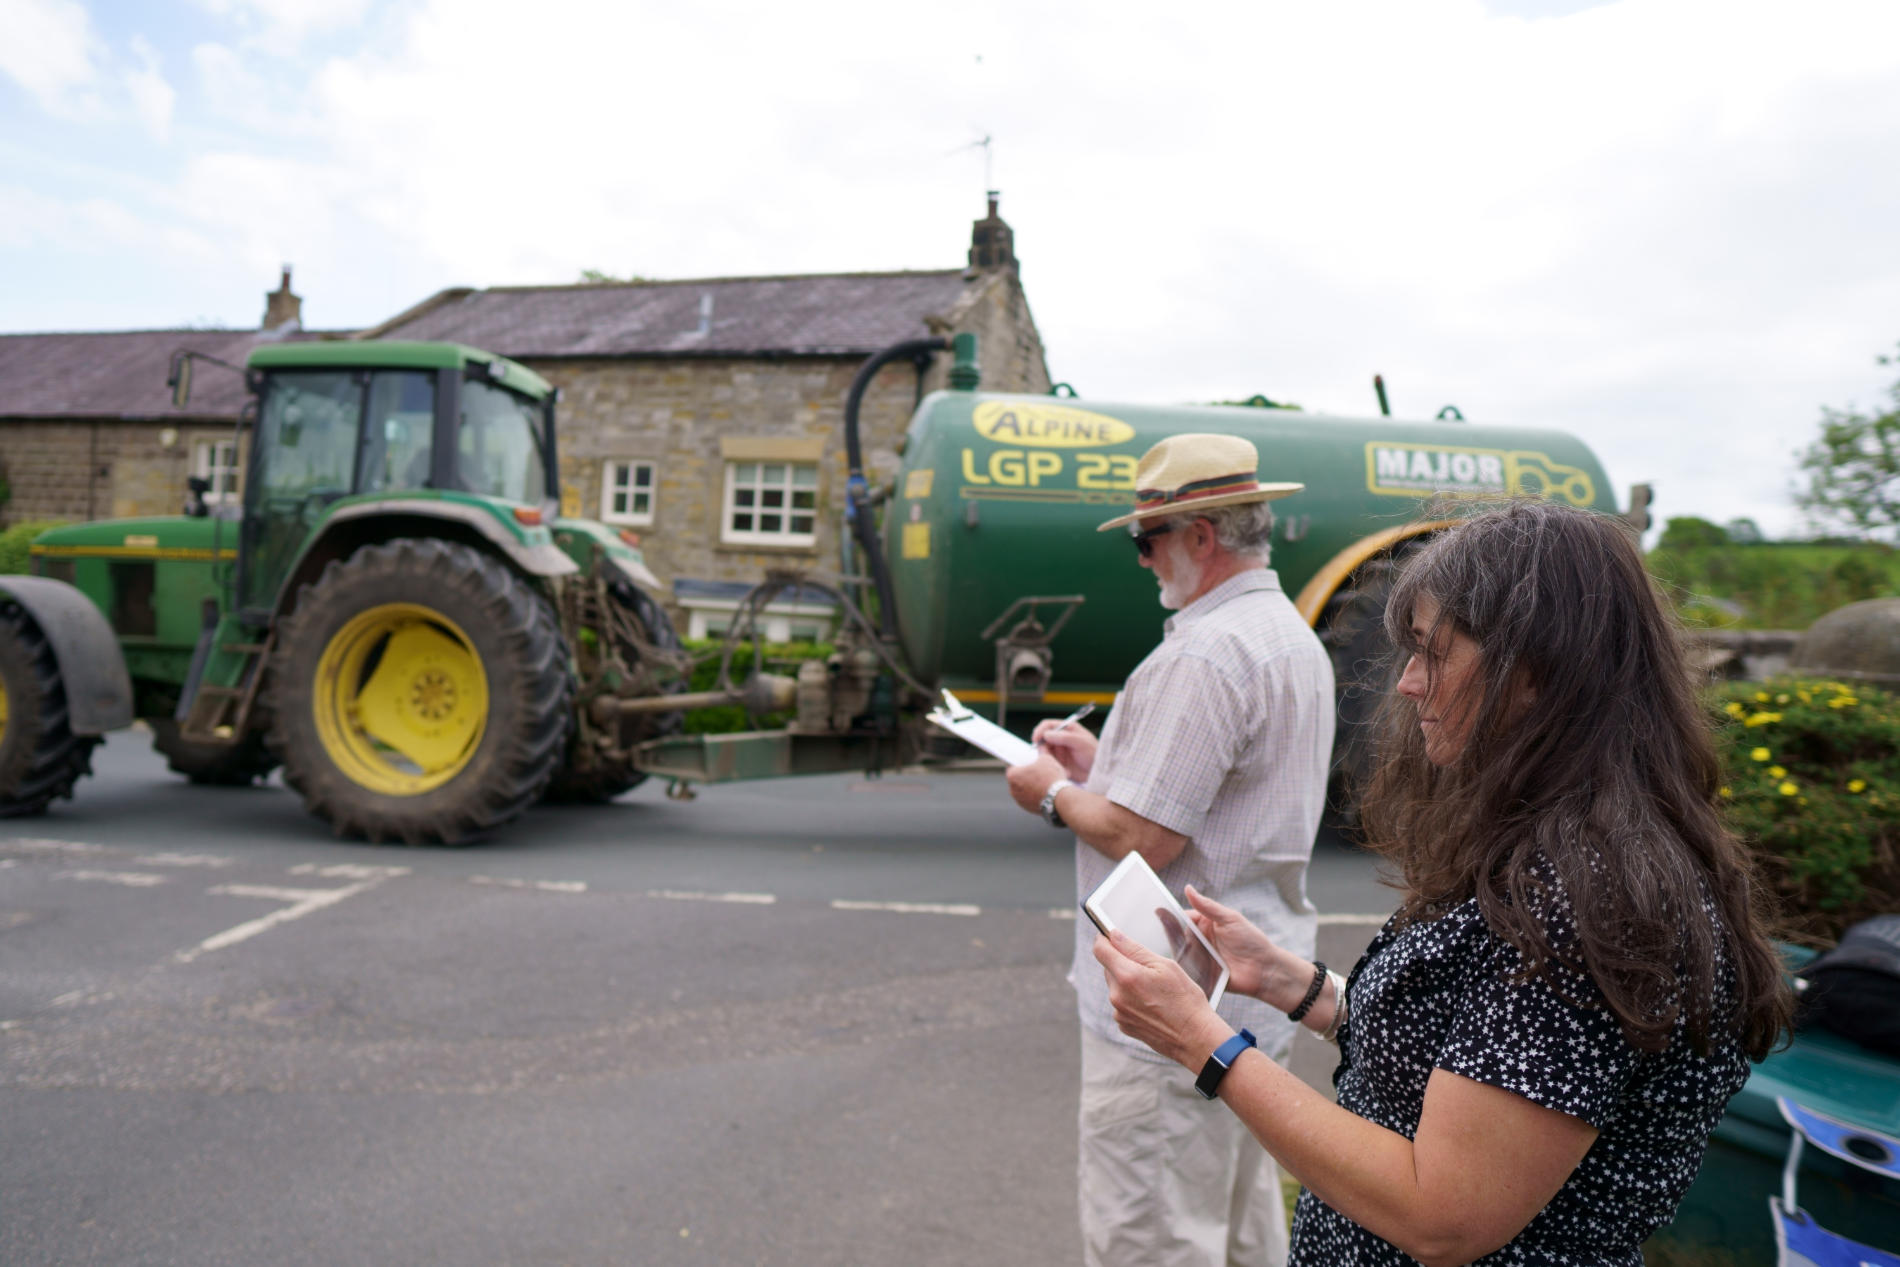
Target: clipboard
[[980, 732]]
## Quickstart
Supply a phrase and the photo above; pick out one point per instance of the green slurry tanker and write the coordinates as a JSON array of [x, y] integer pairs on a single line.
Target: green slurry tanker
[[399, 617]]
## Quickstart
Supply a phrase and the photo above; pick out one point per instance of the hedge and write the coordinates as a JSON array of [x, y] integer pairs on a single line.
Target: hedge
[[780, 657], [15, 540], [1813, 783]]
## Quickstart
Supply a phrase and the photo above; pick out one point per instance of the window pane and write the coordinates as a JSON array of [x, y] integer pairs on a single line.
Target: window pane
[[773, 473], [742, 497], [742, 523], [643, 476], [801, 523], [746, 473], [642, 503], [773, 497], [771, 523], [619, 502], [805, 477], [803, 500]]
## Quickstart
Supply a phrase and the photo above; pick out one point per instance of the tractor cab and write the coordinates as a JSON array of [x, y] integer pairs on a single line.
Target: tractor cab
[[367, 421]]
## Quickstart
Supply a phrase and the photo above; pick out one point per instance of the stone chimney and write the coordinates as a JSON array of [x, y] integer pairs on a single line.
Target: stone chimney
[[282, 308], [992, 242]]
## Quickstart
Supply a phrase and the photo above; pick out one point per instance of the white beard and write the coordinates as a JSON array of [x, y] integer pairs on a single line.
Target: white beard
[[1177, 592]]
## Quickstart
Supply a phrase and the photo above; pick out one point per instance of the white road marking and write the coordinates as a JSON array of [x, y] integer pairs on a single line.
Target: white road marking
[[8, 862], [39, 844], [908, 908], [348, 871], [302, 902], [546, 886], [183, 860], [131, 879], [1062, 912], [1358, 921], [687, 895]]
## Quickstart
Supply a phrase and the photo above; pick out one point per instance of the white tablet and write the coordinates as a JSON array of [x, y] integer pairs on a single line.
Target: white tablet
[[1134, 900]]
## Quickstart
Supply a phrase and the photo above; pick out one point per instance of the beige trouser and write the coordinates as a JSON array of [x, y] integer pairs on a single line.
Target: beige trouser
[[1167, 1179]]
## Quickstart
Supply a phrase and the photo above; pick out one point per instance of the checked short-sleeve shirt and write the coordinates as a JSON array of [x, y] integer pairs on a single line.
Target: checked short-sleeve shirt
[[1224, 734]]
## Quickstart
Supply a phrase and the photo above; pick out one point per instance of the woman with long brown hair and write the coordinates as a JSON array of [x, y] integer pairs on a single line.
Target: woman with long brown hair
[[1534, 1049]]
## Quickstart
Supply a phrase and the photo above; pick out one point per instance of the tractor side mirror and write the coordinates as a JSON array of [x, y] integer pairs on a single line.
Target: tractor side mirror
[[179, 379], [196, 487]]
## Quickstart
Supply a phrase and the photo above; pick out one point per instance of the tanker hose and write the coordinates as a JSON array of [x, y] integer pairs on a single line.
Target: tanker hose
[[857, 501]]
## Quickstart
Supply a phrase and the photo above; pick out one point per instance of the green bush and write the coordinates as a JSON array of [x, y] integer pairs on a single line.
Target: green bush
[[15, 540], [725, 719], [1773, 584], [1813, 783]]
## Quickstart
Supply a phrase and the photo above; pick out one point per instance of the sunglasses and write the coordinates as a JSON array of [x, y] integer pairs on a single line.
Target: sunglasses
[[1145, 541]]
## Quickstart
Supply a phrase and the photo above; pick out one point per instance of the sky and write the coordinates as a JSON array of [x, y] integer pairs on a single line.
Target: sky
[[1665, 226]]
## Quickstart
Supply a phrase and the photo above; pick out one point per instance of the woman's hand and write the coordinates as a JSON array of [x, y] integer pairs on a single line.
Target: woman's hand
[[1156, 1002], [1072, 746], [1255, 966]]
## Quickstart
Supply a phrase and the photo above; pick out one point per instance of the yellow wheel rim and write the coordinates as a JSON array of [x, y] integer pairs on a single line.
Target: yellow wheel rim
[[401, 699]]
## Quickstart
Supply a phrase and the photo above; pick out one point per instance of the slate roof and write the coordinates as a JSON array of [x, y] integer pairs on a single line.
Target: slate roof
[[120, 374], [844, 314]]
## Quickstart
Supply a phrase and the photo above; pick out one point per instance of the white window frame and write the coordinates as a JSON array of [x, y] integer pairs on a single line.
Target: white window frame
[[711, 617], [619, 476], [226, 477], [729, 506]]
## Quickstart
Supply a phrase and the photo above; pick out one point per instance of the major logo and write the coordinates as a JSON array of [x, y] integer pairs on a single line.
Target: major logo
[[1422, 470]]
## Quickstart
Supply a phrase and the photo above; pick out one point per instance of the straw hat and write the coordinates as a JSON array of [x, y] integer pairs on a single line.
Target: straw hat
[[1194, 472]]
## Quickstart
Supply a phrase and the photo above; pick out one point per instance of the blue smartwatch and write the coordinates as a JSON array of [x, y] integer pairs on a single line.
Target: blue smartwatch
[[1220, 1062]]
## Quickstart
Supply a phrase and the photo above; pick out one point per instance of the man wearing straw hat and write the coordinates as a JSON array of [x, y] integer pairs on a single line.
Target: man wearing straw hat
[[1213, 766]]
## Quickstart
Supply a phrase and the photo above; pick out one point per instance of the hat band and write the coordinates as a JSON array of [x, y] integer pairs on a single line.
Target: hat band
[[1147, 499]]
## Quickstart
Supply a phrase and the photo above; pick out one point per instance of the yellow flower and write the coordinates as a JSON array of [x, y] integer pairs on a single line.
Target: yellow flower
[[1724, 792], [1761, 697], [1857, 786], [1782, 698], [1776, 772], [1787, 788], [1761, 719], [1734, 708], [1804, 697], [1760, 754], [1842, 701]]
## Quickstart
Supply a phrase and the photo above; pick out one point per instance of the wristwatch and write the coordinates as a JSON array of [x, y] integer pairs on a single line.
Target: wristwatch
[[1048, 806], [1220, 1062]]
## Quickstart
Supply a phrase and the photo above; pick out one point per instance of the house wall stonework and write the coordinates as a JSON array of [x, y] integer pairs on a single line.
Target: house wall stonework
[[674, 413], [97, 469]]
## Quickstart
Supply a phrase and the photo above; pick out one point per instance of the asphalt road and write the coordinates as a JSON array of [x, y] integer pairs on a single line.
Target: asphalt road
[[802, 1022]]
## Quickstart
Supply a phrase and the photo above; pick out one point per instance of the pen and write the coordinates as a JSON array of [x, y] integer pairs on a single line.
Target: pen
[[1074, 717]]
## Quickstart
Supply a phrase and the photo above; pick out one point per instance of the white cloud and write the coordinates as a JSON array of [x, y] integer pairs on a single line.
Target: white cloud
[[51, 51], [152, 97], [1663, 224]]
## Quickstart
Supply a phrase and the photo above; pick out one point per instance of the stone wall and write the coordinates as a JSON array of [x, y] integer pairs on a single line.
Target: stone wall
[[97, 469], [676, 413]]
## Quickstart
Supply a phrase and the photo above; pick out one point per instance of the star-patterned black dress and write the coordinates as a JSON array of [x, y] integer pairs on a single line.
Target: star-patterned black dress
[[1435, 995]]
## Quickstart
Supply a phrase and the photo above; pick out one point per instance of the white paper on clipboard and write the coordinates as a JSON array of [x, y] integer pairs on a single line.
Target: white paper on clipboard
[[985, 734]]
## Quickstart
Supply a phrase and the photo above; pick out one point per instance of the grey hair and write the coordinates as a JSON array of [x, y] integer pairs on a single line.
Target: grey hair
[[1245, 530]]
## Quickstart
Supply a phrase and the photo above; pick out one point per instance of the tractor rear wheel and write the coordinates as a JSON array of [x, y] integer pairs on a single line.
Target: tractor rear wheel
[[40, 757], [213, 764], [419, 692], [1365, 671], [593, 777]]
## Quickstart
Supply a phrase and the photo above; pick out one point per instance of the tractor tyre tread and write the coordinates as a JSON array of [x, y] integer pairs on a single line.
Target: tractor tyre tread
[[40, 757], [530, 691]]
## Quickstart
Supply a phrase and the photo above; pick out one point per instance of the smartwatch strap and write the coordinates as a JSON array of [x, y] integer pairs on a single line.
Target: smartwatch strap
[[1218, 1064]]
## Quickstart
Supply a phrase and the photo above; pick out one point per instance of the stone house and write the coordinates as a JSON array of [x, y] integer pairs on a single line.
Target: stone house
[[706, 416], [87, 427]]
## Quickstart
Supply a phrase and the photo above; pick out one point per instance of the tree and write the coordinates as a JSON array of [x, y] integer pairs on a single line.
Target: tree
[[1854, 468], [1686, 532], [596, 277], [1743, 532]]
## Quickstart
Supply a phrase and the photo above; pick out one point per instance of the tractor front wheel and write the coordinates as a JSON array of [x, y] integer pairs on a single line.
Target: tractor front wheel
[[419, 692], [40, 757]]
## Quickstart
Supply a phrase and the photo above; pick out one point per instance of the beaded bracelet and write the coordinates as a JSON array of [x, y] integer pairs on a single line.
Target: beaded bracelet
[[1312, 993]]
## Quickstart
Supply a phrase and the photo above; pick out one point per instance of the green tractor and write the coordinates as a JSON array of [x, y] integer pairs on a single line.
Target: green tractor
[[395, 613]]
